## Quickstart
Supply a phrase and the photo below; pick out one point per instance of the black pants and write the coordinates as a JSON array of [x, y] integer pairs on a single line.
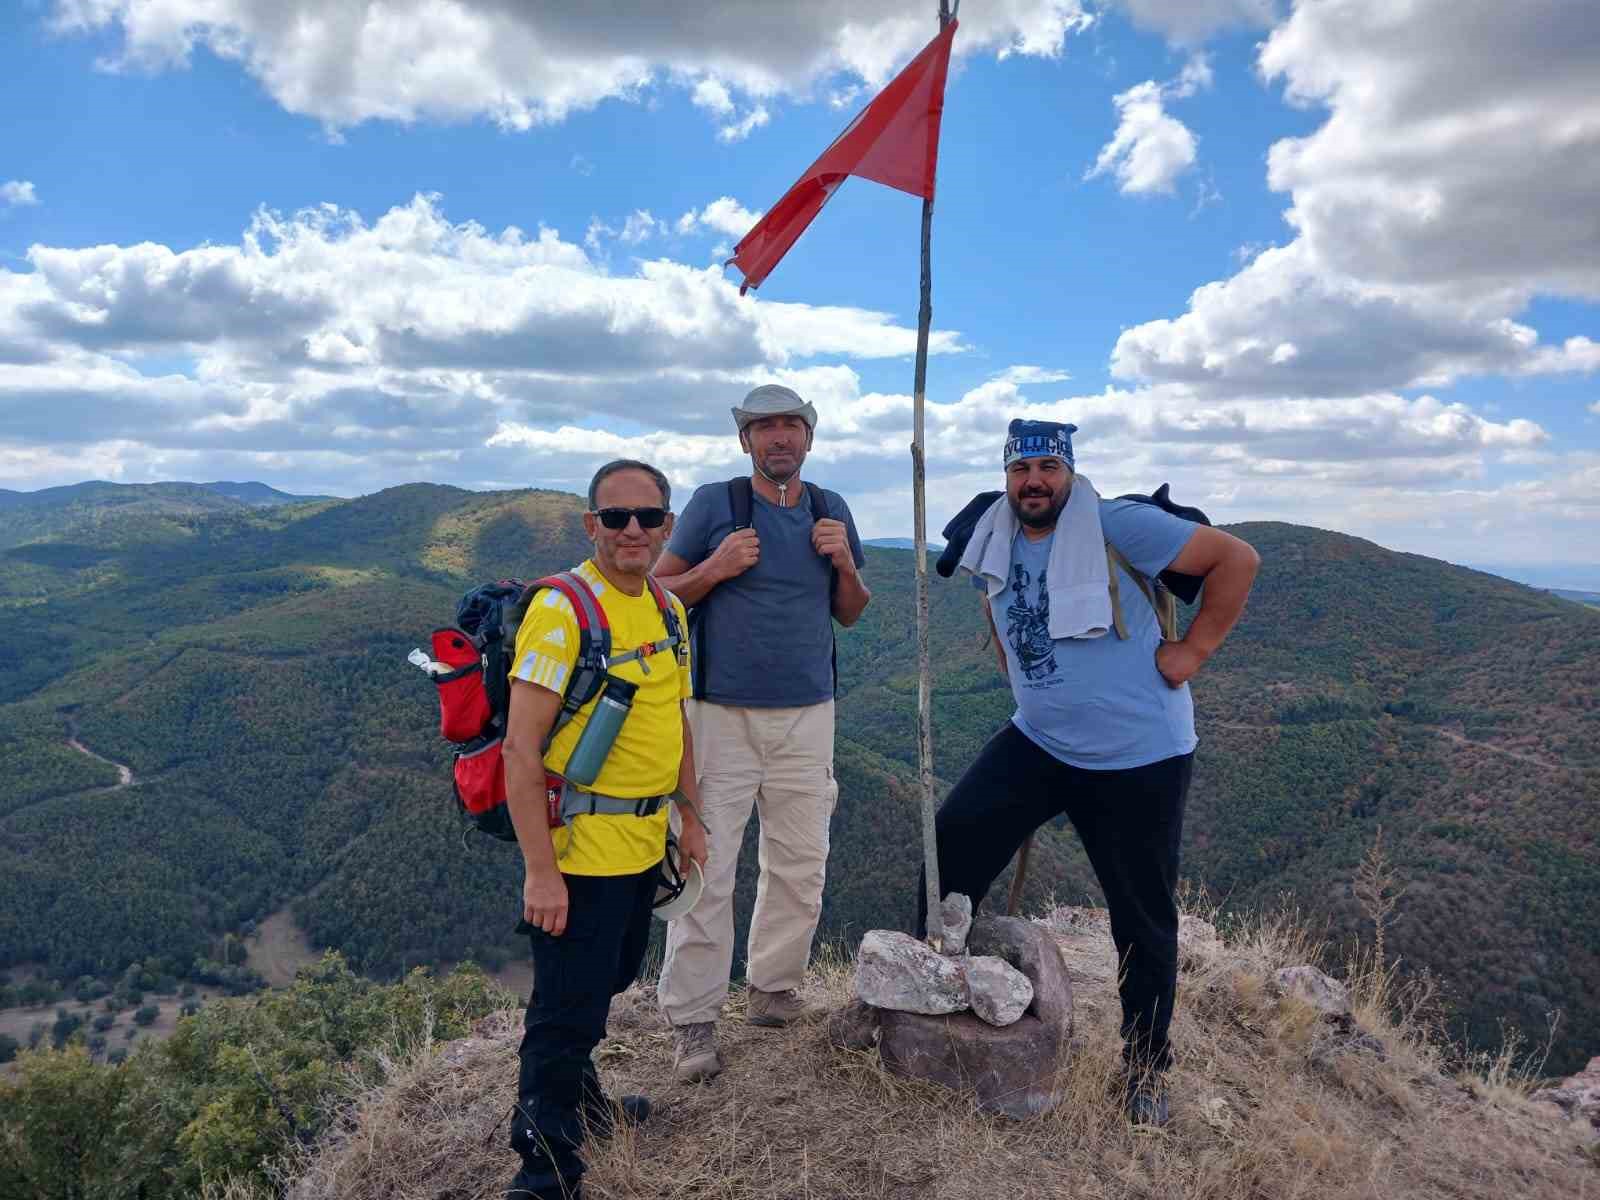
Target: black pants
[[1130, 822], [574, 977]]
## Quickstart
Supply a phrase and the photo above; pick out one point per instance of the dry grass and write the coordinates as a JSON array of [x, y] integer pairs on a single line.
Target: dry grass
[[1268, 1102]]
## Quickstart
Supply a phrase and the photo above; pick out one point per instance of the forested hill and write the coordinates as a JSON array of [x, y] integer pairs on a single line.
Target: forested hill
[[248, 664]]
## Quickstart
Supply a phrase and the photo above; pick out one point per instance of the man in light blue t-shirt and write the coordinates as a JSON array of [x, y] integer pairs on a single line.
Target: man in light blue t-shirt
[[1104, 727]]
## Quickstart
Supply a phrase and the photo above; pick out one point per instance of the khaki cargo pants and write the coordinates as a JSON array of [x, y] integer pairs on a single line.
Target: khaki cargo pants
[[780, 761]]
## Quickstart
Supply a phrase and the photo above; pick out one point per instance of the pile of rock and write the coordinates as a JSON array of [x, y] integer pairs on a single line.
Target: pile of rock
[[897, 972], [992, 1013]]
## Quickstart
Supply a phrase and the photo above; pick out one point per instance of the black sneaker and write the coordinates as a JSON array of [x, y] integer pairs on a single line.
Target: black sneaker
[[1146, 1102]]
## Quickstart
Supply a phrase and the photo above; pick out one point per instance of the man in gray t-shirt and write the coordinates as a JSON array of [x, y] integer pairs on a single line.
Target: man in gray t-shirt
[[768, 564]]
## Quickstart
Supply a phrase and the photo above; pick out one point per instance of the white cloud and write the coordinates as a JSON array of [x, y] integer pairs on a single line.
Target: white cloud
[[1191, 22], [367, 348], [1023, 375], [343, 62], [332, 354], [1457, 153], [1286, 324], [711, 94], [724, 215], [737, 131], [1196, 76], [1150, 149], [640, 226], [1451, 183], [17, 193]]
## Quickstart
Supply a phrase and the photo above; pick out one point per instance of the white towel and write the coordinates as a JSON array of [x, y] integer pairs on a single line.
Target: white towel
[[1080, 599]]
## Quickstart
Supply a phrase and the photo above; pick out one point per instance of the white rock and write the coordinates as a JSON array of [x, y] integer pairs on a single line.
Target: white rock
[[1000, 993], [898, 972], [1327, 996], [956, 911]]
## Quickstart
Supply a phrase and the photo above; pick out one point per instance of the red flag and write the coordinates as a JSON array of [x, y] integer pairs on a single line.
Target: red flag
[[893, 140]]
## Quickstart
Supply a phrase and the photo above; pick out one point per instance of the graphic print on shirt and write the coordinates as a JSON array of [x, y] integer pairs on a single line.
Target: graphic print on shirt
[[1028, 626]]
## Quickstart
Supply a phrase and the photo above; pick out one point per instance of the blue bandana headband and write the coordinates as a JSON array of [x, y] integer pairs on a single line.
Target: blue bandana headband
[[1039, 439]]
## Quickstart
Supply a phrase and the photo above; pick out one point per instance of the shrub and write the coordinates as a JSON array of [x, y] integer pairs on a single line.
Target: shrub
[[103, 1022], [147, 1014], [66, 1024], [37, 991], [54, 1123], [8, 1047]]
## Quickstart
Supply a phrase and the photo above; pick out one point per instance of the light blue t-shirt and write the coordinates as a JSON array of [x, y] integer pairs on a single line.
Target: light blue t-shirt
[[1097, 703]]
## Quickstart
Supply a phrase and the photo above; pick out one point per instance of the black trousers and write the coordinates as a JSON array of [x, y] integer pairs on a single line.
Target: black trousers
[[574, 977], [1130, 823]]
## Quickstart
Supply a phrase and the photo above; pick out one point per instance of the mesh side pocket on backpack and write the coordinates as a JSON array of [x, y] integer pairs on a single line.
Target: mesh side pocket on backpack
[[463, 699]]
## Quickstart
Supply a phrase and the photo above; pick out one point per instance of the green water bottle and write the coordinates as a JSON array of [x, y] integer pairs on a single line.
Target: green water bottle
[[600, 734]]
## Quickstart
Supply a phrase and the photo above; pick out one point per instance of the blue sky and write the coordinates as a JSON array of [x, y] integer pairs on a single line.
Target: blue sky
[[1339, 265]]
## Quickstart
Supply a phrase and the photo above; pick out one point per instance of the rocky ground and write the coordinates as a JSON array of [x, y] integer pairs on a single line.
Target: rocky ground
[[1276, 1095]]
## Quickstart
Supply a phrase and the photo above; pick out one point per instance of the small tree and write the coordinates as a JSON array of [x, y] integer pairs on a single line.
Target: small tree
[[148, 1014], [56, 1116], [8, 1047]]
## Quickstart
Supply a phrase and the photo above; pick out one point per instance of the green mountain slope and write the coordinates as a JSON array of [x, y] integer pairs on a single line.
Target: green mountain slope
[[256, 494], [251, 674]]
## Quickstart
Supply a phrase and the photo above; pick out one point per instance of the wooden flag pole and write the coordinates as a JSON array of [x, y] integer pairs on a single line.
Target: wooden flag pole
[[930, 845]]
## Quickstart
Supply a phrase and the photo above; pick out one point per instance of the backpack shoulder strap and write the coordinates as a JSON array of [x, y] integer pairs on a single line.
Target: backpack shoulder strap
[[669, 614], [741, 500], [594, 643], [820, 512], [1162, 602], [819, 501]]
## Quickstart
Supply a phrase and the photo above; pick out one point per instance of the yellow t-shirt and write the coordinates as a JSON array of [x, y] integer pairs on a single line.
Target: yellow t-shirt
[[644, 759]]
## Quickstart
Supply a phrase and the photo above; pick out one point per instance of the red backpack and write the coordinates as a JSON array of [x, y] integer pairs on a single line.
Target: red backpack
[[475, 689]]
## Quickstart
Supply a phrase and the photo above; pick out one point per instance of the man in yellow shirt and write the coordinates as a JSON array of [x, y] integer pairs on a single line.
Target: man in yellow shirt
[[589, 883]]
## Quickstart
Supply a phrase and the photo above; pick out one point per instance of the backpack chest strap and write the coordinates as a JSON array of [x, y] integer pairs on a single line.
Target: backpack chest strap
[[643, 653]]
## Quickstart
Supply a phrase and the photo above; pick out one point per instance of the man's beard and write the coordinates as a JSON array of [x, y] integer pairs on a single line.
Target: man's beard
[[796, 457], [1043, 520]]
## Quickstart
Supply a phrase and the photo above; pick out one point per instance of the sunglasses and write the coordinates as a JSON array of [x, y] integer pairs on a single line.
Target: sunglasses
[[618, 518]]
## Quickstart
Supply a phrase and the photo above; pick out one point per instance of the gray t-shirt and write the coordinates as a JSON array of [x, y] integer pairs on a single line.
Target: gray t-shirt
[[765, 639]]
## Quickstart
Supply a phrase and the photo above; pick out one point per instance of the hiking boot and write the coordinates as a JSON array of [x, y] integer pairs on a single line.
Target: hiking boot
[[525, 1188], [1146, 1102], [602, 1118], [696, 1058], [774, 1010]]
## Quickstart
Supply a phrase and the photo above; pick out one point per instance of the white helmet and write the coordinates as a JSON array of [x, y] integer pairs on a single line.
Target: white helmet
[[677, 890]]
